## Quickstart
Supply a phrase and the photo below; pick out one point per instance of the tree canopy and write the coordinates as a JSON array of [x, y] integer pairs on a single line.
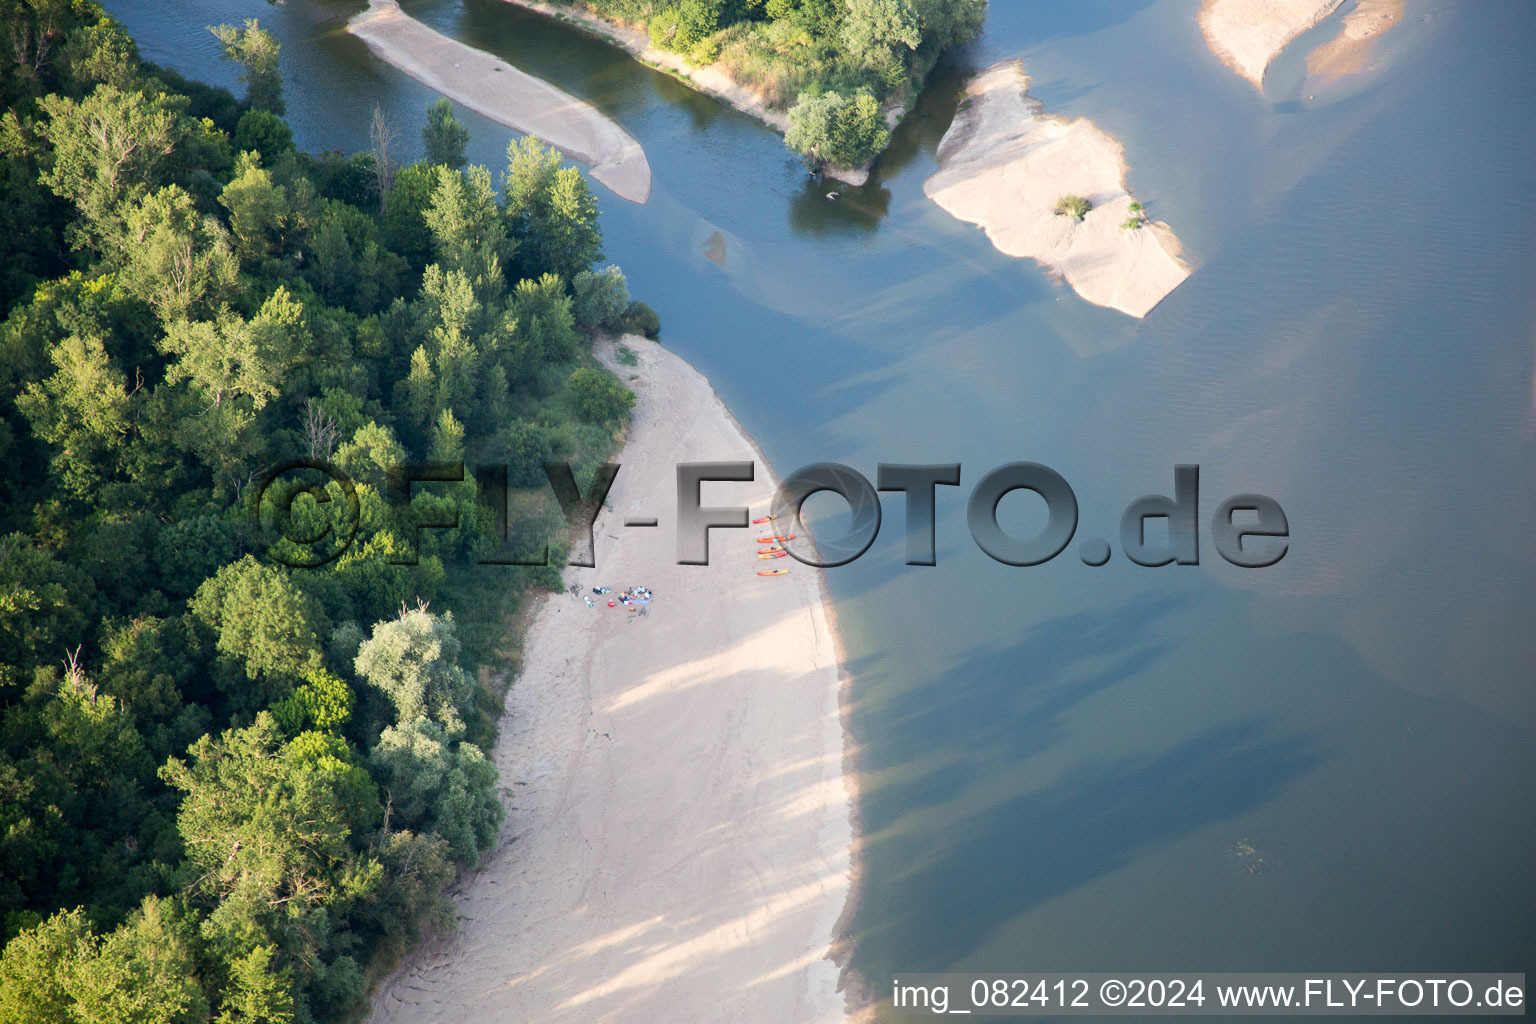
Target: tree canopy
[[234, 780]]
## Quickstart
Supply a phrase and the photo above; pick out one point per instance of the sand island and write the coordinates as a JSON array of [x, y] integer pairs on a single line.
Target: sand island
[[1248, 34], [678, 837], [1351, 51], [488, 86], [1004, 164]]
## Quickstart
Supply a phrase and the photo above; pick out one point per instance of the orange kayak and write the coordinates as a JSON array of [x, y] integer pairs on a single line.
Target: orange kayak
[[764, 519], [774, 554], [770, 550], [775, 540], [774, 572]]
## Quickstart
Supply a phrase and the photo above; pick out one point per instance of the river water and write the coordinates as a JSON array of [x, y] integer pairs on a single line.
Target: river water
[[1323, 765]]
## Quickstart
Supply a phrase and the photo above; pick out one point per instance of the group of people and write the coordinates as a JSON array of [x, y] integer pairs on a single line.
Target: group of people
[[632, 597]]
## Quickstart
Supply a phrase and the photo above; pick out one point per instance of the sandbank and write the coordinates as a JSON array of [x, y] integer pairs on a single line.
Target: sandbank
[[1351, 51], [1004, 163], [1248, 34], [479, 81], [709, 79], [678, 844]]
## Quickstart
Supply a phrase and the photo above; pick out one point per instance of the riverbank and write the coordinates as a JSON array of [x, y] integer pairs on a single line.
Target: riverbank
[[475, 79], [678, 844], [1004, 163], [1247, 35], [709, 79]]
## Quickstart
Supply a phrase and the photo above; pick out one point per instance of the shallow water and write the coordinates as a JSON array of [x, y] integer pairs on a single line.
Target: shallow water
[[1061, 764]]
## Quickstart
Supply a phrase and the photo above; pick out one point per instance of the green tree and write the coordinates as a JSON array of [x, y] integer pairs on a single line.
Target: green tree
[[144, 972], [108, 151], [34, 980], [179, 261], [260, 991], [84, 411], [255, 50], [257, 827], [876, 32], [469, 235], [599, 298], [404, 226], [44, 603], [826, 128], [551, 212], [232, 357], [263, 132], [270, 627], [413, 659], [101, 54], [439, 785], [640, 318], [259, 210], [447, 438], [545, 325], [324, 702], [443, 136]]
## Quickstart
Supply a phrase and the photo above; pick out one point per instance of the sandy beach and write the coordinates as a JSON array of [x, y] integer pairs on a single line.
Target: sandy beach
[[709, 79], [1004, 163], [1248, 34], [475, 79], [679, 830]]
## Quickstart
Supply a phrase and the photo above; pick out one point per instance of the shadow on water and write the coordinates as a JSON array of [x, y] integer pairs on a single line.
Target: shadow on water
[[1024, 844], [859, 210], [825, 206], [919, 133], [1034, 847]]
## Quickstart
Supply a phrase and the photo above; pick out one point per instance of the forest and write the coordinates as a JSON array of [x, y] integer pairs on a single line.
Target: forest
[[235, 779], [834, 65]]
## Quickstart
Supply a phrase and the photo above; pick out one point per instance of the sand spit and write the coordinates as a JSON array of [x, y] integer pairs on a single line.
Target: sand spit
[[507, 96], [678, 840], [709, 79], [1350, 51], [1003, 164], [1248, 34]]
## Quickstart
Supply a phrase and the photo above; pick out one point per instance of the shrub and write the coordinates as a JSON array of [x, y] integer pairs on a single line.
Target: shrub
[[640, 319], [600, 298], [681, 27], [1073, 206], [598, 396]]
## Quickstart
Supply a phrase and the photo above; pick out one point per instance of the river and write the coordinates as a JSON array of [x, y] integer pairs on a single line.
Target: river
[[1322, 765]]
